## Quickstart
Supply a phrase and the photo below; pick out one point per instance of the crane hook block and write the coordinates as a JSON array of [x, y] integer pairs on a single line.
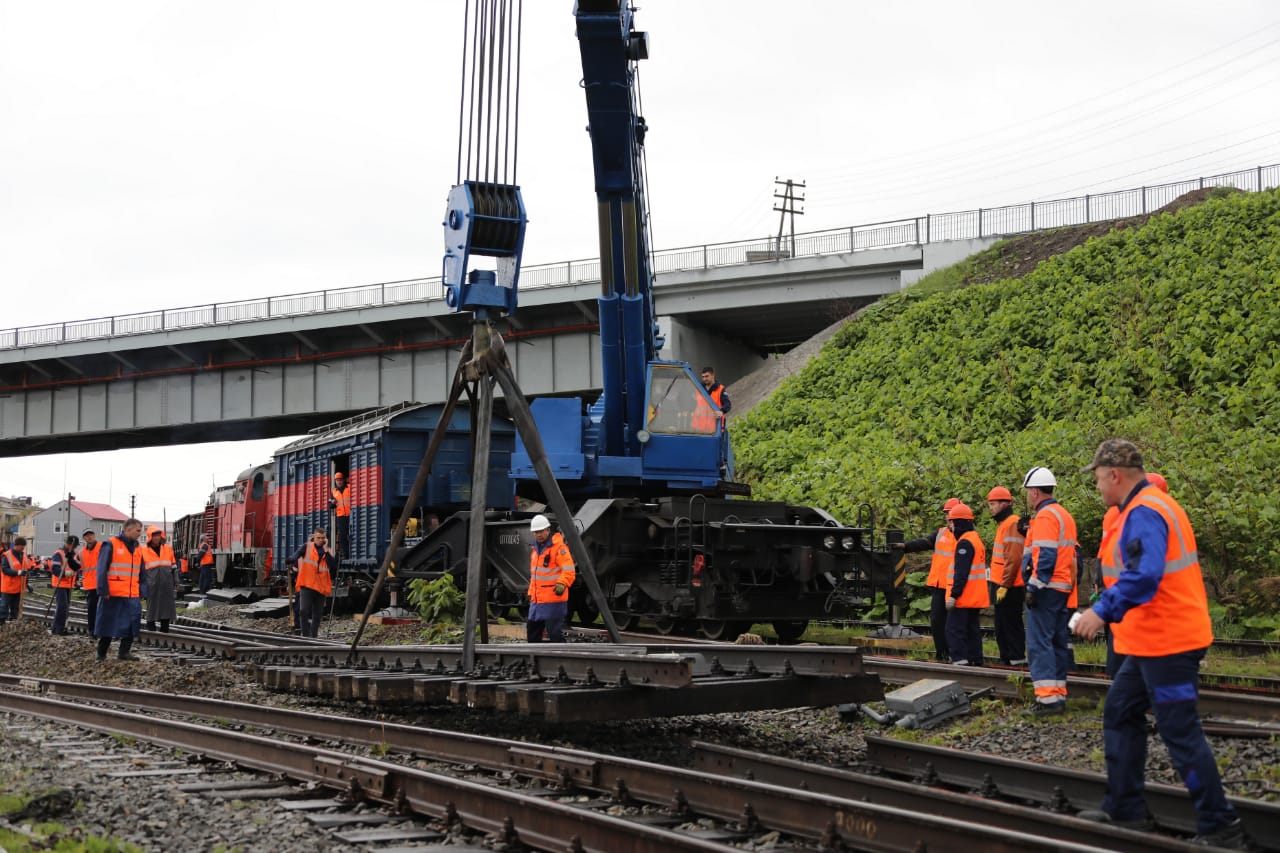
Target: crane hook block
[[483, 219]]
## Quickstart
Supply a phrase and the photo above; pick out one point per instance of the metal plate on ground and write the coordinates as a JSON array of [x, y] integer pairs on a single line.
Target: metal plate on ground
[[183, 771], [241, 784], [254, 793], [408, 833], [312, 805], [331, 820]]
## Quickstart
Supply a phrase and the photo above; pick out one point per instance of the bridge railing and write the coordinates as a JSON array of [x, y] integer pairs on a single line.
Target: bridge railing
[[931, 228]]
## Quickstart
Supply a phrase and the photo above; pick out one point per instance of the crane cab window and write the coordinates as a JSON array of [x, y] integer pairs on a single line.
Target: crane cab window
[[677, 404]]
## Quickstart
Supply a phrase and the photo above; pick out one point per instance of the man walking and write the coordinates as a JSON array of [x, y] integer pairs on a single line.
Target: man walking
[[1049, 569], [1006, 588], [121, 587], [162, 583], [15, 565], [1159, 613], [316, 564], [64, 566], [551, 573], [90, 550]]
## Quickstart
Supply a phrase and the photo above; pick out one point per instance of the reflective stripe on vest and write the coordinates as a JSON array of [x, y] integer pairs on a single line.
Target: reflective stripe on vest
[[1064, 567], [1006, 534], [1107, 551], [151, 559], [89, 562], [1176, 619], [125, 571], [975, 588], [14, 585], [311, 574], [944, 550], [67, 579], [343, 500]]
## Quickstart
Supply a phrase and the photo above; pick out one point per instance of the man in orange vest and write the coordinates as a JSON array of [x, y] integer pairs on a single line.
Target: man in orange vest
[[966, 589], [1159, 612], [1049, 571], [64, 567], [208, 568], [160, 564], [15, 565], [943, 544], [316, 565], [551, 573], [340, 503], [1006, 587], [90, 550], [122, 584]]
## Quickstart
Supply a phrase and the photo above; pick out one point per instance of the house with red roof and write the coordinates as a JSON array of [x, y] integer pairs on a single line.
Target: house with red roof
[[64, 518]]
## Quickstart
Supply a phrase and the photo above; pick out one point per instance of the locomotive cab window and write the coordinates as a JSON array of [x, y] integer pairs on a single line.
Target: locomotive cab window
[[677, 404], [259, 486]]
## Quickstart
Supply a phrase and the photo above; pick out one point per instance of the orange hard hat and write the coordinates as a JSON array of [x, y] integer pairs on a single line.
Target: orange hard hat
[[960, 510], [946, 507], [1158, 481], [152, 530], [999, 493]]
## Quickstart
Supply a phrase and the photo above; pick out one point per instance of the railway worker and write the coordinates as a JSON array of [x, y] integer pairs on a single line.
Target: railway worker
[[316, 564], [1006, 587], [340, 503], [65, 567], [122, 584], [966, 588], [942, 543], [208, 570], [161, 567], [715, 390], [1159, 612], [15, 566], [551, 574], [1048, 569], [90, 550]]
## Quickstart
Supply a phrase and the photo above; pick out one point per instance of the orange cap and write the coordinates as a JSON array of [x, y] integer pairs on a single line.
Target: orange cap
[[960, 511], [1158, 481], [999, 493], [152, 530]]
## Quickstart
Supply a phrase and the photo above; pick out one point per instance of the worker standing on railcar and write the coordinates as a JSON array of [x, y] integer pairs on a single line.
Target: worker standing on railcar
[[15, 566], [317, 564], [1048, 569], [966, 589], [88, 555], [162, 583], [943, 544], [340, 503], [551, 574], [1159, 612], [122, 584], [63, 571], [1006, 588], [208, 571]]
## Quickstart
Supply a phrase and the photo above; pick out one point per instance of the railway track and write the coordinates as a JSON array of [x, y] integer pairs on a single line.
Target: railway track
[[553, 798]]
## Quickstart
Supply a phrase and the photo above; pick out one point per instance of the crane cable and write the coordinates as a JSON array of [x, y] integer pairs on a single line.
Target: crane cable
[[489, 101]]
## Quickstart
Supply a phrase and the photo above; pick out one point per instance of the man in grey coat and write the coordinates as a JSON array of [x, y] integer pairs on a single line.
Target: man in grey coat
[[162, 580]]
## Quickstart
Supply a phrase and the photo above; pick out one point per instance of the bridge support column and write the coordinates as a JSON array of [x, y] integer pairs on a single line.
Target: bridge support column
[[687, 342]]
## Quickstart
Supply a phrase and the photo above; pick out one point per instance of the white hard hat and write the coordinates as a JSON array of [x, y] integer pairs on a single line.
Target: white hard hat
[[539, 522], [1038, 478]]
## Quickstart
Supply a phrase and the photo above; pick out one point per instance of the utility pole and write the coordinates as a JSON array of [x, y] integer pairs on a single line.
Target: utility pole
[[133, 506], [67, 528], [787, 207]]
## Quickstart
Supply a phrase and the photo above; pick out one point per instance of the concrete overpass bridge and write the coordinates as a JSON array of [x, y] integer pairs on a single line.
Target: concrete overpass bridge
[[282, 365]]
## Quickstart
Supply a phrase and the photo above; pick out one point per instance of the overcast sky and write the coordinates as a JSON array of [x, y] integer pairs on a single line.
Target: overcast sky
[[158, 154]]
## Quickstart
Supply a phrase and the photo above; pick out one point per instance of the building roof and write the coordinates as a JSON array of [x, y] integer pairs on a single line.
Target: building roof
[[100, 512]]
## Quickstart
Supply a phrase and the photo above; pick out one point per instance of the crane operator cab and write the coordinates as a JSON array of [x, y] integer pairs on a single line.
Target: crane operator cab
[[683, 425]]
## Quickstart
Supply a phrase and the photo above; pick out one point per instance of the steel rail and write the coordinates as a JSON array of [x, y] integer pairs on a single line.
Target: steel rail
[[535, 821], [1213, 702], [847, 784], [1169, 805], [863, 825]]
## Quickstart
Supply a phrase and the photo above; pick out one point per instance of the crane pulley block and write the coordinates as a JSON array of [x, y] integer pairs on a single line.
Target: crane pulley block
[[488, 220]]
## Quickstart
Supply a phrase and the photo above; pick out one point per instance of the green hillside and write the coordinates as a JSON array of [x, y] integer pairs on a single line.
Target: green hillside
[[1165, 333]]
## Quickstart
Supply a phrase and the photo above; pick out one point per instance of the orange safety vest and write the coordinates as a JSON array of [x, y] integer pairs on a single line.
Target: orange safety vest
[[944, 551], [975, 589], [206, 557], [1177, 618], [704, 418], [152, 559], [1106, 548], [1006, 536], [554, 565], [124, 575], [89, 563], [312, 573], [1053, 527], [15, 585], [67, 579], [343, 499]]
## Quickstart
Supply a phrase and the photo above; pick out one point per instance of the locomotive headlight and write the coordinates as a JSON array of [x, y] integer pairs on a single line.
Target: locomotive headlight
[[829, 542], [847, 543]]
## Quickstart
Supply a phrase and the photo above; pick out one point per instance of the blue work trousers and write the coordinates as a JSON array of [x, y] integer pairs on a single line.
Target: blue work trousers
[[91, 607], [1169, 686], [938, 624], [1048, 653], [10, 602], [1011, 632], [964, 635], [61, 603], [208, 577]]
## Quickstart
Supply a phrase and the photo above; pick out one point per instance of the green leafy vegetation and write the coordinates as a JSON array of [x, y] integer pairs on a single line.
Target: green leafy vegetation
[[436, 601], [1164, 333]]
